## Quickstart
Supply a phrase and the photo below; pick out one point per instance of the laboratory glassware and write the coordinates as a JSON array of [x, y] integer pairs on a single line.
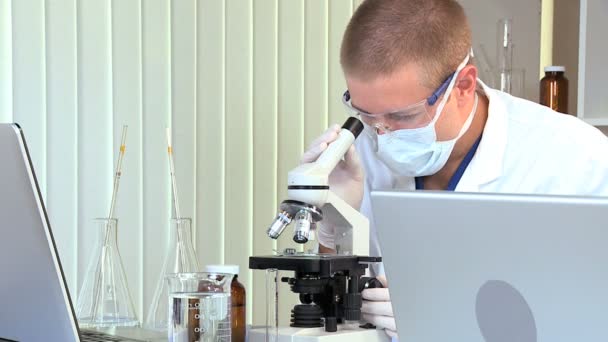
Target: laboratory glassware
[[238, 301], [105, 299], [199, 307], [504, 54], [554, 89], [180, 257], [272, 305]]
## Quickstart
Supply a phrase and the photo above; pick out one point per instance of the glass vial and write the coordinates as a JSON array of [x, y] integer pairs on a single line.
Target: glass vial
[[554, 89], [180, 258], [105, 299], [238, 301]]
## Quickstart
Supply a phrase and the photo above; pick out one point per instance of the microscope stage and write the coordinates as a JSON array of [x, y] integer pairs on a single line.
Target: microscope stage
[[322, 264]]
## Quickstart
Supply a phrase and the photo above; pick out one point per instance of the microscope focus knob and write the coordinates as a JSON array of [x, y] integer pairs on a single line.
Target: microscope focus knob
[[369, 283], [352, 306], [306, 298]]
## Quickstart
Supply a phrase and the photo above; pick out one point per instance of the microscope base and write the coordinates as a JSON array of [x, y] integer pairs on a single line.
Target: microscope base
[[344, 333]]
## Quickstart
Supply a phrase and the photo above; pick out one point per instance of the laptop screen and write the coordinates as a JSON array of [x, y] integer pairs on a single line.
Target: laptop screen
[[34, 302]]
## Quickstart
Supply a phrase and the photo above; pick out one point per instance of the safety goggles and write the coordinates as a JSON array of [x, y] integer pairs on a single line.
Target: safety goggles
[[413, 116]]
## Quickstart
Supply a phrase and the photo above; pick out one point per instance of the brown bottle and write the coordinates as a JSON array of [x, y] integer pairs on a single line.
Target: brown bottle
[[554, 89], [238, 321], [238, 313]]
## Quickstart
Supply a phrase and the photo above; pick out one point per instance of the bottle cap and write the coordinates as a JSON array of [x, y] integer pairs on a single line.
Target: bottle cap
[[555, 68], [230, 269]]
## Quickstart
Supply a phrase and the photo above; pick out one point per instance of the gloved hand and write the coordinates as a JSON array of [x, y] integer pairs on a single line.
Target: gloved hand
[[346, 180], [377, 308]]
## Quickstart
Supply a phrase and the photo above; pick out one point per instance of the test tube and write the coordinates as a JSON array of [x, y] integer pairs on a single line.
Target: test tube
[[272, 305], [504, 54]]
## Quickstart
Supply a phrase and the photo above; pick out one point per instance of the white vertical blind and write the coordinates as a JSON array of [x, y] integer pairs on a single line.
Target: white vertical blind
[[29, 77], [62, 131], [238, 187], [156, 115], [6, 62], [211, 131], [245, 86], [95, 127], [265, 109], [126, 57]]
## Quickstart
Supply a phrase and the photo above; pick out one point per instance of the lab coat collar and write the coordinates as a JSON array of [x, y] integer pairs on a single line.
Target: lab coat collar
[[487, 164]]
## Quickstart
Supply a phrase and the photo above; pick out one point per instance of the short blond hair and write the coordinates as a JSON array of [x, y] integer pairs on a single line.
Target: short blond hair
[[384, 35]]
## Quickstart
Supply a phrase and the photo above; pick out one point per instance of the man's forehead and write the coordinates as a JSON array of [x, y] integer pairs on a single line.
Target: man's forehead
[[407, 73]]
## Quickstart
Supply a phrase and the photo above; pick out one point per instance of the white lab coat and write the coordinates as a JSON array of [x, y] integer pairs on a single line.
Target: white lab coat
[[525, 148]]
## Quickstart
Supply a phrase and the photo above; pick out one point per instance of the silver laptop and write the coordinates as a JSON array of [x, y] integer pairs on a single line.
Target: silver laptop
[[35, 304], [489, 267]]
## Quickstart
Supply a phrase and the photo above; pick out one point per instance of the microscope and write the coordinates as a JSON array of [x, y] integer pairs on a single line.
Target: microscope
[[329, 285], [310, 200]]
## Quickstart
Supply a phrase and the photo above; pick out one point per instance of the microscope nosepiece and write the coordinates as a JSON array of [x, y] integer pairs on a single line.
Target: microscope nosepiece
[[278, 225]]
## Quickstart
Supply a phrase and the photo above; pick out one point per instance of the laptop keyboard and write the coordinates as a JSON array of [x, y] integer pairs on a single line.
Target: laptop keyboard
[[94, 336]]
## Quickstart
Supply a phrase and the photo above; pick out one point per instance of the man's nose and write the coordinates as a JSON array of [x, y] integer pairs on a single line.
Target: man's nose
[[380, 129]]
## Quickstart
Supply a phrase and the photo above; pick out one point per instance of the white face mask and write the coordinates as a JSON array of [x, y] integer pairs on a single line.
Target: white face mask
[[416, 152]]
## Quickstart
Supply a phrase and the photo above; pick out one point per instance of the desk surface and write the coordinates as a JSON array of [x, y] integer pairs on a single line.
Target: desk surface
[[135, 333]]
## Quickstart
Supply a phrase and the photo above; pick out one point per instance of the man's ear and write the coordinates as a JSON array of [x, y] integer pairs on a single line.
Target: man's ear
[[466, 85]]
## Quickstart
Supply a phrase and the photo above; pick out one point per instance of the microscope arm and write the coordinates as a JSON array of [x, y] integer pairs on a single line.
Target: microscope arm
[[351, 236]]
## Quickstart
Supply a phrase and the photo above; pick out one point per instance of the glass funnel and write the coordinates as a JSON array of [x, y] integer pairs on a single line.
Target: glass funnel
[[180, 258], [105, 299]]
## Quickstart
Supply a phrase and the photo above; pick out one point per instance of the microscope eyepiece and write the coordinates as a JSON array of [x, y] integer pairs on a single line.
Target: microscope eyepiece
[[354, 125]]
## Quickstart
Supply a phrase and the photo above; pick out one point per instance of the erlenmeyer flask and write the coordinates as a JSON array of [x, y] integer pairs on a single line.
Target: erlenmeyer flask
[[180, 258], [105, 300]]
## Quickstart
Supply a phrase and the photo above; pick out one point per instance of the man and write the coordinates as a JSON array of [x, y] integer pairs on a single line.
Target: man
[[431, 124]]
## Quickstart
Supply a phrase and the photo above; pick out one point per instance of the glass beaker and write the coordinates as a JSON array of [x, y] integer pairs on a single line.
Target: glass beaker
[[180, 258], [199, 307], [105, 299]]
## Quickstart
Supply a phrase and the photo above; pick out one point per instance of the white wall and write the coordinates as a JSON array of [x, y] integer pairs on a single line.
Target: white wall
[[245, 85], [526, 15], [565, 45], [592, 99]]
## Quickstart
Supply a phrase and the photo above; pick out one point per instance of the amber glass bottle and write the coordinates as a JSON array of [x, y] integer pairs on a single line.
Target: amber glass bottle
[[238, 310], [554, 89], [237, 298]]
